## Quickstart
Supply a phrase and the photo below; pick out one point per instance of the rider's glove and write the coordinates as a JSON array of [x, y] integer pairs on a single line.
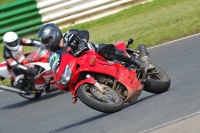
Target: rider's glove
[[68, 39], [82, 45], [81, 48], [54, 61]]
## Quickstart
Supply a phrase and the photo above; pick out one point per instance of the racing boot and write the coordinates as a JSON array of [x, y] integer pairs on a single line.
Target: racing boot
[[110, 52], [123, 56]]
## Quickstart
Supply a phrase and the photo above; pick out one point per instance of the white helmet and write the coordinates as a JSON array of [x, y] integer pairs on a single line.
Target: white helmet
[[11, 40]]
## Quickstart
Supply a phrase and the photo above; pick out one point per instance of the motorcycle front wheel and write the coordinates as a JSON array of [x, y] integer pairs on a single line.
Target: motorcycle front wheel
[[108, 102]]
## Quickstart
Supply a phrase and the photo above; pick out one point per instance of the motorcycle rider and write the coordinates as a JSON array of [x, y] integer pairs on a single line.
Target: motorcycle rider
[[52, 38], [13, 53]]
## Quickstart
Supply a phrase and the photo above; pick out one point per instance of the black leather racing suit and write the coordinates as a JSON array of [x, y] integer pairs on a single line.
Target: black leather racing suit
[[108, 51]]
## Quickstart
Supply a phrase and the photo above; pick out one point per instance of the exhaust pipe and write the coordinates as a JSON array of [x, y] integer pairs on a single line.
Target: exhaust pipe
[[144, 55], [11, 89], [143, 50]]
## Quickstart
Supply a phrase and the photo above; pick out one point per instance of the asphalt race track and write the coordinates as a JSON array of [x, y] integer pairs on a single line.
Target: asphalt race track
[[54, 113]]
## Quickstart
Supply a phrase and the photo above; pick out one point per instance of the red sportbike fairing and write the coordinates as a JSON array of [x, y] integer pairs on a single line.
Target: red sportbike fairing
[[104, 85], [39, 61], [93, 63]]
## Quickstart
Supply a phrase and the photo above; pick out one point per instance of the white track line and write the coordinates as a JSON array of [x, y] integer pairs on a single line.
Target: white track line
[[171, 122], [175, 40]]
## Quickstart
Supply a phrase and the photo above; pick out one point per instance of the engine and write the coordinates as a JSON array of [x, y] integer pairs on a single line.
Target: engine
[[112, 83]]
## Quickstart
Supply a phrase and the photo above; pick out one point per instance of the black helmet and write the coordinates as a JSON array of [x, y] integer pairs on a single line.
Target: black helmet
[[50, 36]]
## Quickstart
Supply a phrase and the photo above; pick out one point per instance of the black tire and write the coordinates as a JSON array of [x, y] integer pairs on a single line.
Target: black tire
[[30, 96], [87, 97], [157, 83]]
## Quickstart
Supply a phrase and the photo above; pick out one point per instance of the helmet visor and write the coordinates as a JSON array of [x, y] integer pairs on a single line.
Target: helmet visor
[[12, 44], [47, 42]]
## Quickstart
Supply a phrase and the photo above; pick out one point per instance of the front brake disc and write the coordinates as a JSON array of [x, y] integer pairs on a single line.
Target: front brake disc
[[107, 97]]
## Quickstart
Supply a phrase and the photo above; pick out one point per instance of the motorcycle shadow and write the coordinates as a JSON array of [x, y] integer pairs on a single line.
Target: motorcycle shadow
[[98, 116], [80, 122], [139, 100], [28, 102], [142, 99]]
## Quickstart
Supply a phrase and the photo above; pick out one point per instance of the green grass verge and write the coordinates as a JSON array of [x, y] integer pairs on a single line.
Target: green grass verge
[[151, 24], [3, 2]]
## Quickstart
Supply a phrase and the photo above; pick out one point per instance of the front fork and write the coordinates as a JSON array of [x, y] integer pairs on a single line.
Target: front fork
[[91, 81], [147, 60], [97, 85]]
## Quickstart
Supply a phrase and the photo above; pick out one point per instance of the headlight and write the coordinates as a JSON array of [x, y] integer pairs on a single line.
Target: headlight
[[66, 76]]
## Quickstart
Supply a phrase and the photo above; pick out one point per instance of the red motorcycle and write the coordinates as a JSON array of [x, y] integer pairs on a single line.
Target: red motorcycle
[[39, 61], [105, 85]]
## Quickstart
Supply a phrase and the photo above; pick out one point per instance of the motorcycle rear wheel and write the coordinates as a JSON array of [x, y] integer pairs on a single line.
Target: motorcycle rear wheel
[[97, 101], [29, 96], [157, 83]]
